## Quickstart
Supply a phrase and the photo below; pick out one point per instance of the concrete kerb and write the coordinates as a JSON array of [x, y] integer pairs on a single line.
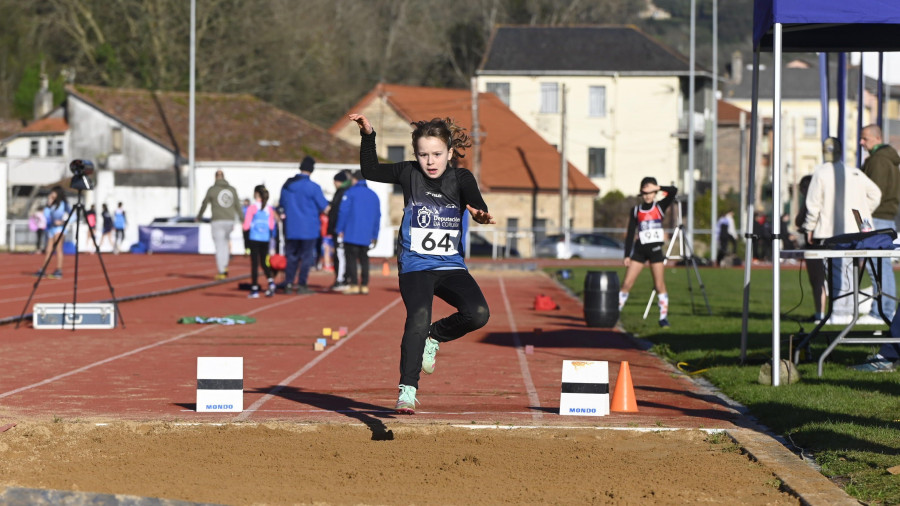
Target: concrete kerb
[[14, 496], [806, 481]]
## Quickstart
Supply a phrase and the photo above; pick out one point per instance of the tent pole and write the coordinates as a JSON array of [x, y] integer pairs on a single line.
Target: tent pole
[[751, 203], [842, 105], [860, 109], [714, 155], [823, 94], [776, 214], [879, 119]]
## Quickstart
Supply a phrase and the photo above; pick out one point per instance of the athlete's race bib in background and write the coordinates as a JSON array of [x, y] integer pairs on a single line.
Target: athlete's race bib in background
[[651, 234], [434, 233]]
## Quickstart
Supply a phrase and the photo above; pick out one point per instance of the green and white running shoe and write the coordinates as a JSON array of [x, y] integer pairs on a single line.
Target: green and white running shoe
[[428, 358], [406, 403]]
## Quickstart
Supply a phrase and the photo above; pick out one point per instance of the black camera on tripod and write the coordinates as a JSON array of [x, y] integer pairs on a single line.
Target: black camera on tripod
[[81, 169]]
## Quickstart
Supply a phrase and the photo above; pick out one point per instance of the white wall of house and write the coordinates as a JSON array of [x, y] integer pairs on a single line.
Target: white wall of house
[[631, 118], [49, 165], [141, 203], [93, 135]]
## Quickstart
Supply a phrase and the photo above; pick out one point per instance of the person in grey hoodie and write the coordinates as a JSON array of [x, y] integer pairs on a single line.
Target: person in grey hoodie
[[882, 167], [226, 208]]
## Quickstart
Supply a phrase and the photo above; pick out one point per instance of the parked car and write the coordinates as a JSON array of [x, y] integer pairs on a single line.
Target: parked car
[[480, 247], [593, 246]]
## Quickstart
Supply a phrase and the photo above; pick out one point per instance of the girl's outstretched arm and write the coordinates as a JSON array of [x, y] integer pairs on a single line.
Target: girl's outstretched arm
[[481, 217], [368, 156]]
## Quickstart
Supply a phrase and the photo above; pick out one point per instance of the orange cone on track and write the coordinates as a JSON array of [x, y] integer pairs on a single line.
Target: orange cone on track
[[385, 269], [623, 398]]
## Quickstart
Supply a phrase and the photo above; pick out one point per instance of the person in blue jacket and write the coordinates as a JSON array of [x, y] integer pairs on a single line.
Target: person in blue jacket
[[436, 194], [359, 218], [56, 213], [302, 202]]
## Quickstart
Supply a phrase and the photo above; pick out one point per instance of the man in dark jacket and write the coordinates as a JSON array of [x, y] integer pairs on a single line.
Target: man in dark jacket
[[341, 183], [303, 201], [357, 228], [882, 167]]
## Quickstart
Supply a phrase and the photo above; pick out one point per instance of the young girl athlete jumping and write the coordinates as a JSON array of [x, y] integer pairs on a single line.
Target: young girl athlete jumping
[[646, 220], [435, 194]]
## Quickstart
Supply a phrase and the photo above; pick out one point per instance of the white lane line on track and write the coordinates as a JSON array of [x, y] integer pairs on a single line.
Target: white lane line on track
[[16, 281], [66, 289], [468, 426], [138, 350], [287, 381], [533, 398]]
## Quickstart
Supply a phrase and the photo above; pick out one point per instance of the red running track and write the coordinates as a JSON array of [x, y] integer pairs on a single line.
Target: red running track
[[147, 370]]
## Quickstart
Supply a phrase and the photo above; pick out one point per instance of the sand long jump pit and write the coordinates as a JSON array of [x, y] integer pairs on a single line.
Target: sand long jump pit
[[400, 463]]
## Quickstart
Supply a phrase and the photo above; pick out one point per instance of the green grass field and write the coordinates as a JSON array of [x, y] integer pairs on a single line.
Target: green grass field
[[849, 420]]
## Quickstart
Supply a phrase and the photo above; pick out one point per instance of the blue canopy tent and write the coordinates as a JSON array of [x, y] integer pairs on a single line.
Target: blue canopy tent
[[804, 26]]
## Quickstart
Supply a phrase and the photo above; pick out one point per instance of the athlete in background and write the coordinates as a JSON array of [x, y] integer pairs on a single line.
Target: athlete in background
[[644, 243]]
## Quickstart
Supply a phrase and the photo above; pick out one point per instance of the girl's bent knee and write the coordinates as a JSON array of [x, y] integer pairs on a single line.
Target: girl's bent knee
[[480, 317]]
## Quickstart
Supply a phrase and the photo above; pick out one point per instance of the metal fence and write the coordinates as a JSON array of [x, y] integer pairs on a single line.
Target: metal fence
[[500, 242]]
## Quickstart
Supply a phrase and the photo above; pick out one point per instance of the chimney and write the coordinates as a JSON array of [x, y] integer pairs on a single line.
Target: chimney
[[737, 67], [43, 99]]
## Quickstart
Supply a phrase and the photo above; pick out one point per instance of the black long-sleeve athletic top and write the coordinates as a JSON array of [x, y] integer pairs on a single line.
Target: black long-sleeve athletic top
[[431, 230], [663, 205]]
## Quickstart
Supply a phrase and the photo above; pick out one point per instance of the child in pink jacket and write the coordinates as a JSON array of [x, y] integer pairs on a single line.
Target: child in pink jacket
[[259, 222]]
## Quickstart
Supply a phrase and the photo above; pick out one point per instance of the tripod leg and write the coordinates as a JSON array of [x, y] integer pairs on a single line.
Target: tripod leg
[[687, 273], [699, 281], [675, 235], [44, 269], [112, 291], [79, 213]]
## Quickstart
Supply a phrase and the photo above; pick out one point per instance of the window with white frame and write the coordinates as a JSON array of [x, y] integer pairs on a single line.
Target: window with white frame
[[57, 149], [809, 127], [597, 101], [35, 147], [550, 98], [501, 90], [597, 162]]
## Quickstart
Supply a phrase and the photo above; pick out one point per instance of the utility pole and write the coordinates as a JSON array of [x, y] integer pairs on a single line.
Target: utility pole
[[689, 179], [476, 134], [192, 183], [476, 151], [563, 174], [742, 168]]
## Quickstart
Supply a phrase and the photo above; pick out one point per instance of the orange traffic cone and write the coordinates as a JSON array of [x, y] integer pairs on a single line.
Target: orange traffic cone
[[623, 398], [385, 269]]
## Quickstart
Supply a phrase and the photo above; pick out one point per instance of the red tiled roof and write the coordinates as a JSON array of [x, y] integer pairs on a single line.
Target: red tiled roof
[[730, 114], [513, 156], [9, 127], [47, 125], [233, 127]]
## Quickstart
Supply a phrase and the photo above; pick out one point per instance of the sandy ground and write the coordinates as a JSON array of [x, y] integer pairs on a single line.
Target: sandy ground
[[402, 463]]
